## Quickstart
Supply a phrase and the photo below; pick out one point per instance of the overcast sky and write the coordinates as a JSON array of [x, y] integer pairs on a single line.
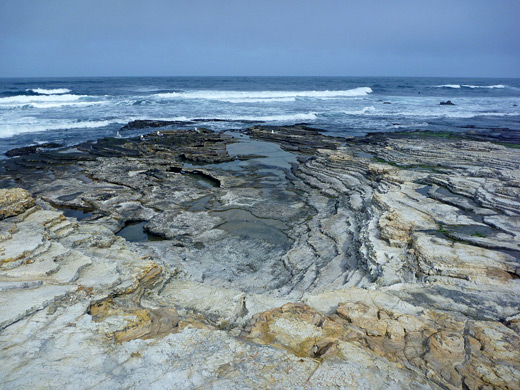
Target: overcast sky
[[240, 37]]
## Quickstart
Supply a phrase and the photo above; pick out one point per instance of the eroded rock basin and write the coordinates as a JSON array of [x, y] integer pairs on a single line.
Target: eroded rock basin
[[270, 258]]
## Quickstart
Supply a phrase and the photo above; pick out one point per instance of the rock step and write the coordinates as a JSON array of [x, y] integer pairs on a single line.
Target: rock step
[[17, 304], [43, 265], [56, 227], [14, 285], [71, 265]]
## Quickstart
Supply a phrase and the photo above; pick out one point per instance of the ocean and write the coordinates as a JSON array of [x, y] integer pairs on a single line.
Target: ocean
[[73, 110]]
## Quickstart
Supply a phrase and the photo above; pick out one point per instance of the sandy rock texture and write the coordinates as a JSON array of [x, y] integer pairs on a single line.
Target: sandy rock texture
[[272, 258]]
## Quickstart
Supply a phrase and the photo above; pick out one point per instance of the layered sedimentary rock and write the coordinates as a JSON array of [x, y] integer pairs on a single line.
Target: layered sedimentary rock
[[273, 258]]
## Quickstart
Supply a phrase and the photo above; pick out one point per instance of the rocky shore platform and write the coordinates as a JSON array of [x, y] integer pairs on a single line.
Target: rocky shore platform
[[274, 257]]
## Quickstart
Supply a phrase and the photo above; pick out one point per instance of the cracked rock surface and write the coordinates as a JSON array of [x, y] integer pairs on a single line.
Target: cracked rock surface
[[269, 258]]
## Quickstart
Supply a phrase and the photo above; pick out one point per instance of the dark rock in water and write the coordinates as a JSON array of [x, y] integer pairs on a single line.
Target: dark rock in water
[[145, 124], [387, 103], [447, 103], [31, 149], [225, 120]]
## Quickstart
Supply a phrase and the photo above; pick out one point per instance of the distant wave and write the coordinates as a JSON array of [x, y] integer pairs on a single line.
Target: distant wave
[[275, 118], [308, 116], [25, 99], [457, 86], [34, 126], [265, 100], [255, 96], [61, 104], [436, 113], [363, 111], [42, 91]]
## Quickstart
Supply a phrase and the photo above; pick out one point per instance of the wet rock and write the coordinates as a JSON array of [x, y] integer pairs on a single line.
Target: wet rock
[[447, 103], [146, 124], [32, 149]]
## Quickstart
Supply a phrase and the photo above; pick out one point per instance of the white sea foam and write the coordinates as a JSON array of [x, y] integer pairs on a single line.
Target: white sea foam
[[364, 111], [42, 91], [500, 86], [64, 104], [34, 125], [256, 95], [430, 113], [457, 86], [23, 99], [308, 116], [265, 100], [448, 86]]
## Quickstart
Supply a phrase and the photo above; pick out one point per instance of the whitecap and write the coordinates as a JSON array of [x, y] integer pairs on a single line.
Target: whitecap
[[264, 100], [456, 86], [366, 110], [255, 95], [34, 125], [275, 118], [24, 99], [56, 91], [499, 86], [63, 104]]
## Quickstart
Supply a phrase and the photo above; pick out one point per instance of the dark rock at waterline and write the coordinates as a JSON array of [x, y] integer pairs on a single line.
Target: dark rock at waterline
[[387, 103], [447, 103], [31, 149], [145, 124], [247, 121]]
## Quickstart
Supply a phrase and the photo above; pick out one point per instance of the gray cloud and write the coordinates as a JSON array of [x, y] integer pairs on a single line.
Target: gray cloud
[[284, 37]]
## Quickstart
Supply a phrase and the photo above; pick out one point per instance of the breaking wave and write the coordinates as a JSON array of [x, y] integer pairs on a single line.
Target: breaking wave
[[457, 86], [57, 91], [33, 125], [25, 99], [255, 96]]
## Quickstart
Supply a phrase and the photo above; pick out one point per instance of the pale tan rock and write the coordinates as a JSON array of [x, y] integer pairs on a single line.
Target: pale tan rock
[[14, 201]]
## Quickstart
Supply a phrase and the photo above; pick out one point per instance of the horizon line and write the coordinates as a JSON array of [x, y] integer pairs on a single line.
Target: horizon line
[[258, 76]]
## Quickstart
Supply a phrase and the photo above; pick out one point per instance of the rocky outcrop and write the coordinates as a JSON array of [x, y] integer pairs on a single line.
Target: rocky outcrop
[[453, 351], [279, 258], [14, 201], [32, 149]]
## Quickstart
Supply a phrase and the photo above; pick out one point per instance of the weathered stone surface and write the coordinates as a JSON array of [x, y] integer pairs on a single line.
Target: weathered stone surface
[[14, 201], [288, 260]]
